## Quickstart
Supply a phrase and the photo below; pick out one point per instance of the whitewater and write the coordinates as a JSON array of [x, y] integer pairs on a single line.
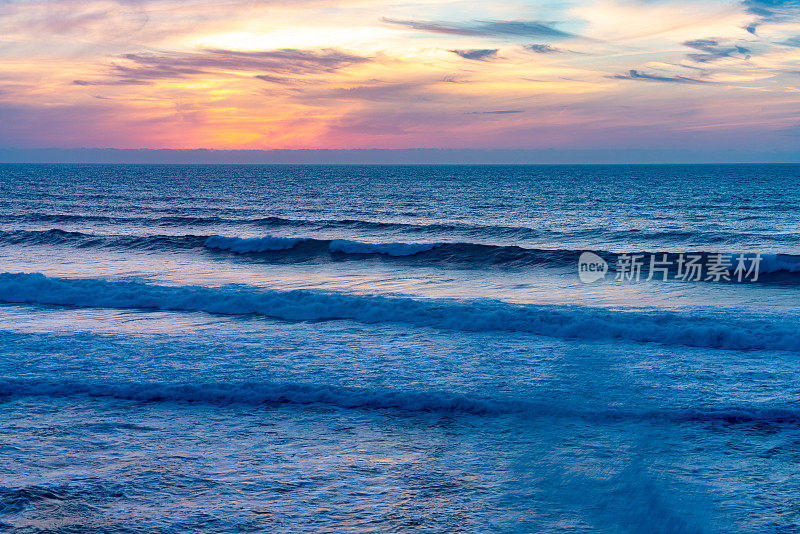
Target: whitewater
[[395, 349]]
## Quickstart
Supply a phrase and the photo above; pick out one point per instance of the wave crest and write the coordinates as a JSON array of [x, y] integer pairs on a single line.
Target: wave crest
[[773, 267], [574, 322]]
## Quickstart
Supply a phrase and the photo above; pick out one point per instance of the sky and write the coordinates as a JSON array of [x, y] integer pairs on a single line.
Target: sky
[[307, 74]]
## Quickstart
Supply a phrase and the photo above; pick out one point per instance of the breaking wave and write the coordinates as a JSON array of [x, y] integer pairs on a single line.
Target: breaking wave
[[573, 322], [299, 249]]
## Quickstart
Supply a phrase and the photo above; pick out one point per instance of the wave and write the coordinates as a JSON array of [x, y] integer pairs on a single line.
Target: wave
[[257, 245], [57, 236], [274, 222], [155, 220], [390, 249], [359, 398], [455, 229], [778, 267], [14, 500], [260, 394], [250, 245], [456, 254], [780, 263], [301, 248], [571, 322]]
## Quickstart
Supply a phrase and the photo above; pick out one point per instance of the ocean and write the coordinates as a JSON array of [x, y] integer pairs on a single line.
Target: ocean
[[222, 348]]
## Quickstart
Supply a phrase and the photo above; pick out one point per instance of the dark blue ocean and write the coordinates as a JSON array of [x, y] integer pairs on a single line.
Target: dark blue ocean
[[398, 349]]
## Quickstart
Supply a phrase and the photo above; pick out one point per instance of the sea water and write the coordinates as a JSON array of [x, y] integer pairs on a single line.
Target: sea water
[[396, 349]]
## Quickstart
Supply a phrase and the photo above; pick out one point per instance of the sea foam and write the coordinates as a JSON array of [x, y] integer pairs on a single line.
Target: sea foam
[[576, 322], [251, 245]]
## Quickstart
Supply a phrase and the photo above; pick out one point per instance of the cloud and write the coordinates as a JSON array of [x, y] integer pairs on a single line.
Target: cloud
[[477, 54], [286, 60], [498, 112], [543, 49], [144, 68], [702, 44], [432, 27], [378, 91], [636, 75], [64, 21], [274, 79], [794, 41], [522, 28], [122, 81], [770, 8], [64, 17], [771, 11], [713, 50], [506, 28]]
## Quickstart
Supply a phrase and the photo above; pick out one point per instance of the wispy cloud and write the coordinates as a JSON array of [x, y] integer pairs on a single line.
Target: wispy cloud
[[432, 27], [772, 10], [543, 49], [274, 79], [311, 73], [63, 17], [499, 112], [521, 28], [377, 91], [112, 81], [499, 28], [143, 68], [477, 54], [794, 41], [643, 76], [712, 50]]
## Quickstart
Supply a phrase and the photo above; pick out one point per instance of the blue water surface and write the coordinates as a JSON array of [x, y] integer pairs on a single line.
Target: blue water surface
[[395, 349]]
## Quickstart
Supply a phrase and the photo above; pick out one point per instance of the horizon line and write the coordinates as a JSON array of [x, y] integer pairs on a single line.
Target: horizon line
[[395, 156]]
